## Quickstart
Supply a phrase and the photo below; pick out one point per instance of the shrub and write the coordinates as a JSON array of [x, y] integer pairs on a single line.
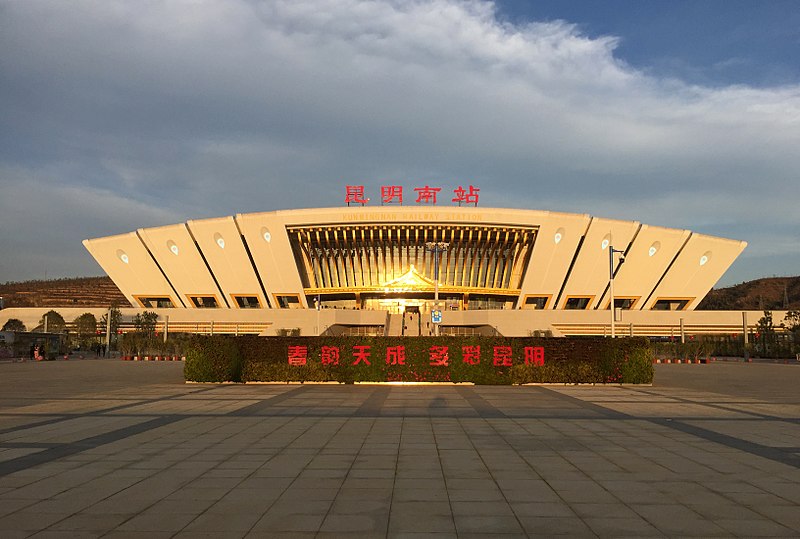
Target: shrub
[[14, 324], [213, 359]]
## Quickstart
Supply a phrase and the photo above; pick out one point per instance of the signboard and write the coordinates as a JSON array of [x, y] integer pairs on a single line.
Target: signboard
[[427, 195], [436, 316]]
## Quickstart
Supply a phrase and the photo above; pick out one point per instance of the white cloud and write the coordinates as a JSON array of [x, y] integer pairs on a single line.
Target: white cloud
[[202, 108]]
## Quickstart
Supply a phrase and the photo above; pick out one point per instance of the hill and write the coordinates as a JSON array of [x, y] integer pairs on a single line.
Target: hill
[[772, 293], [70, 292]]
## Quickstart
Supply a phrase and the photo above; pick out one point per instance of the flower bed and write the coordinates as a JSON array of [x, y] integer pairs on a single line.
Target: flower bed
[[481, 360]]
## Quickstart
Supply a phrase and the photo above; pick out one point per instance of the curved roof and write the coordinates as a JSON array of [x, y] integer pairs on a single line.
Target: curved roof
[[525, 258]]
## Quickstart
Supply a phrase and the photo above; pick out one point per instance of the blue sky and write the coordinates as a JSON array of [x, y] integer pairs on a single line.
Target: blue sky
[[117, 114], [710, 42]]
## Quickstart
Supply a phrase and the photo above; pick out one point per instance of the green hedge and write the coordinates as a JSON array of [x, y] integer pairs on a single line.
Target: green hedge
[[213, 359], [481, 360]]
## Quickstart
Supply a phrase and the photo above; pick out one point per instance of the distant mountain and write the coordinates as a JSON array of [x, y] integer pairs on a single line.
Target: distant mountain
[[70, 292], [772, 293]]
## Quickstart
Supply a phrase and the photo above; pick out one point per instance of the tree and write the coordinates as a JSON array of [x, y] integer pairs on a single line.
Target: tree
[[116, 319], [792, 324], [14, 324], [766, 332], [86, 328], [792, 321], [55, 322], [146, 323]]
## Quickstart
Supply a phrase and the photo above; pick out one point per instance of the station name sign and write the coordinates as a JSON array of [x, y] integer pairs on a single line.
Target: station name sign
[[427, 195]]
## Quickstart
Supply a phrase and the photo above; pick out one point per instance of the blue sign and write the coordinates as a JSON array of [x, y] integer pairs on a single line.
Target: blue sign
[[436, 316]]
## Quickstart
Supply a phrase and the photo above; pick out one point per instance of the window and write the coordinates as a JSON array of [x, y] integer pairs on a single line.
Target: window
[[623, 303], [536, 302], [671, 304], [155, 302], [204, 302], [578, 303], [288, 301], [489, 303], [247, 302]]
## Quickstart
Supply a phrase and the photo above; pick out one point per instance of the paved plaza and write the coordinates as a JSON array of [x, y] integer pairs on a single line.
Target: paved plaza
[[105, 448]]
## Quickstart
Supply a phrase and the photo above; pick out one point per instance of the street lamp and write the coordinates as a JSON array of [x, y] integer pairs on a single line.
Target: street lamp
[[436, 247], [611, 252], [314, 266]]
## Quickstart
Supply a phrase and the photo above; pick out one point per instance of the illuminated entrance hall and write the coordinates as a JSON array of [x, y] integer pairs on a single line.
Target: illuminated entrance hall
[[377, 266]]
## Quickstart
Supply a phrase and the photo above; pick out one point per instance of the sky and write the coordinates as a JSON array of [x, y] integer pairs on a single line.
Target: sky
[[117, 115]]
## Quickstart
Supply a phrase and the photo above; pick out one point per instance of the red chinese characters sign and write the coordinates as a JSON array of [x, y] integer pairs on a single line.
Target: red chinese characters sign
[[426, 195], [437, 355]]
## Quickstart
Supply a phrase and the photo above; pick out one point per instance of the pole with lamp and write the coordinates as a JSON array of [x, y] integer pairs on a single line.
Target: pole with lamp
[[436, 247], [314, 266], [611, 252]]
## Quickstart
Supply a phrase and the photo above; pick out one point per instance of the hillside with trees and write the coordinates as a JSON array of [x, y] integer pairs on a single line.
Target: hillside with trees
[[70, 292], [772, 293]]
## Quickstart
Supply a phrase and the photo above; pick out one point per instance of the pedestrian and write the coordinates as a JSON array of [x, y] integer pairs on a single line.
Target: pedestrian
[[32, 352]]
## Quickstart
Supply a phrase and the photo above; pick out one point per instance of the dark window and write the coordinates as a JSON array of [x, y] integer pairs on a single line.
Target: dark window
[[156, 303], [671, 304], [535, 302], [288, 302], [248, 302], [623, 303], [577, 303], [204, 302]]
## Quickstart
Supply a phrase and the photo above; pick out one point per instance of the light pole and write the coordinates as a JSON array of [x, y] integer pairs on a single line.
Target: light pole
[[436, 247], [611, 252], [314, 265]]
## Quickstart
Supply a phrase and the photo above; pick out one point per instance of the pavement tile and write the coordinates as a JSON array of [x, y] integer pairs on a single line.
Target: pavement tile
[[487, 524], [420, 494], [29, 521], [356, 523], [422, 522], [271, 523], [621, 527], [546, 509], [411, 508], [755, 528], [550, 526], [554, 466], [90, 522]]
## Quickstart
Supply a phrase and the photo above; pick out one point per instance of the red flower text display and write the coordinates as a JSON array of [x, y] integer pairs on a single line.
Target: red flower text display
[[534, 355], [502, 356], [361, 354], [396, 355], [330, 355], [471, 354], [298, 355], [439, 356]]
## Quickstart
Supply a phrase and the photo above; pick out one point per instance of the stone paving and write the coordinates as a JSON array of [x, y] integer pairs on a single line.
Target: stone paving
[[101, 448]]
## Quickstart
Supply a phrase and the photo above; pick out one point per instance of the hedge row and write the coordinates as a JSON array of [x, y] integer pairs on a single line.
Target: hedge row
[[481, 360]]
